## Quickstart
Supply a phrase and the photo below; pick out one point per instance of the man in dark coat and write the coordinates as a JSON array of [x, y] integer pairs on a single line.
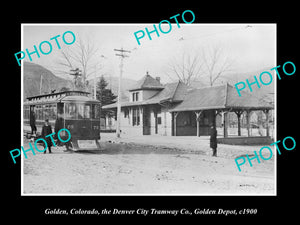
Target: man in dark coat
[[46, 130], [32, 121], [213, 140]]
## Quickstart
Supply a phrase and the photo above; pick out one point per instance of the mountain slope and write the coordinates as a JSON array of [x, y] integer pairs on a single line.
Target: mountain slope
[[32, 80]]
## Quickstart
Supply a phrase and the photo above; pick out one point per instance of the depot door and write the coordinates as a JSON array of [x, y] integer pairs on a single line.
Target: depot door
[[146, 121]]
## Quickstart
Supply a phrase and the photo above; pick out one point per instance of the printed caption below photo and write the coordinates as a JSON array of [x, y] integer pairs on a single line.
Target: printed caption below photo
[[151, 211]]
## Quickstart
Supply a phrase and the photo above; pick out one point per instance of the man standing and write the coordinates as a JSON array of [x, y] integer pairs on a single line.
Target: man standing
[[32, 121], [213, 140], [46, 130]]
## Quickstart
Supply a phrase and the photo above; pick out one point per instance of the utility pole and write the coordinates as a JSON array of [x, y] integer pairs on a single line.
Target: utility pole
[[95, 78], [76, 73], [122, 55]]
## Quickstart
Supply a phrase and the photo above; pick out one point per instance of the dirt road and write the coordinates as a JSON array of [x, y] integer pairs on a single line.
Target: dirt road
[[131, 168]]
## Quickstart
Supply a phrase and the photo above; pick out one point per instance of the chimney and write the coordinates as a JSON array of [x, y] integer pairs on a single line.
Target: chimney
[[158, 79]]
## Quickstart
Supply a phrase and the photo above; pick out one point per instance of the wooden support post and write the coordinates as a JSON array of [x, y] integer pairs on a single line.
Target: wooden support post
[[175, 114], [238, 114], [239, 124], [215, 113], [266, 111], [225, 124], [198, 122], [172, 123], [248, 122], [165, 123]]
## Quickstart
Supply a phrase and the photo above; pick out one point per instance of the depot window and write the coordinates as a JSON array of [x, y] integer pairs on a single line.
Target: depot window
[[135, 116], [135, 96]]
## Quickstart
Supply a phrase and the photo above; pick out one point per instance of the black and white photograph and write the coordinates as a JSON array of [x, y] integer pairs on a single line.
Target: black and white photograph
[[130, 112], [144, 109]]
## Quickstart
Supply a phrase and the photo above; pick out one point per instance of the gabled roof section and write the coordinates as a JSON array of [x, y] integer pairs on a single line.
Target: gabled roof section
[[180, 92], [172, 92], [147, 82], [219, 97], [246, 101], [203, 98]]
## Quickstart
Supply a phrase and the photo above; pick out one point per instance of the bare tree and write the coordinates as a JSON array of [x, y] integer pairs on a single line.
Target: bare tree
[[186, 69], [209, 64], [78, 56], [216, 64]]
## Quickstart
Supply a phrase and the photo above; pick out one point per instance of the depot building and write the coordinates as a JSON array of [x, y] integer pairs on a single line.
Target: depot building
[[174, 109]]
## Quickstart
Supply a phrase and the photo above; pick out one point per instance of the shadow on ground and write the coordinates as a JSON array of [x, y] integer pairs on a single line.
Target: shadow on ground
[[132, 148]]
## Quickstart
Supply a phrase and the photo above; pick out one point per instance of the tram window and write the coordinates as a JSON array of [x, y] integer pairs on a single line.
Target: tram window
[[39, 112], [87, 111], [60, 108], [80, 108], [95, 111], [36, 110], [46, 111], [42, 112], [26, 112], [70, 111], [53, 111]]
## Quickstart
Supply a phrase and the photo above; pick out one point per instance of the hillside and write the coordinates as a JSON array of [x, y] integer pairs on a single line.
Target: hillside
[[32, 78]]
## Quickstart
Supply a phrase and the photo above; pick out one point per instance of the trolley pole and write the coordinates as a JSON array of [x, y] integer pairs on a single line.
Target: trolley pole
[[122, 55]]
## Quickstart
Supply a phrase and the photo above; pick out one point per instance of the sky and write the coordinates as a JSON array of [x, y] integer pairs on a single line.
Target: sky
[[249, 46]]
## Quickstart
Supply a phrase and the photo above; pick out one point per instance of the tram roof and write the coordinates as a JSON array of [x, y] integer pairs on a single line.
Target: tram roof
[[78, 99], [59, 96]]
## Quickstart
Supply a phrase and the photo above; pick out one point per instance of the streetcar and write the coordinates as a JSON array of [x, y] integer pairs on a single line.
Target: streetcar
[[73, 110]]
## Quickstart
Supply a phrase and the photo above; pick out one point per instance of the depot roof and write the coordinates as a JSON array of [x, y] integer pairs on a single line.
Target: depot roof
[[219, 97], [185, 99]]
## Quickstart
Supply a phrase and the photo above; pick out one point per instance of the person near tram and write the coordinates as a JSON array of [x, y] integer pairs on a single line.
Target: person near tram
[[32, 122], [46, 130], [213, 140]]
